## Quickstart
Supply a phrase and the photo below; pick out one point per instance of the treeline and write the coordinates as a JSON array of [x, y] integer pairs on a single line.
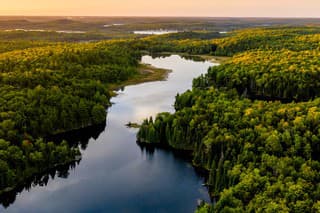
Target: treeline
[[229, 44], [262, 156], [291, 38], [190, 46], [39, 180], [10, 45], [45, 160], [31, 157], [59, 36], [200, 35], [283, 75], [56, 88], [53, 89]]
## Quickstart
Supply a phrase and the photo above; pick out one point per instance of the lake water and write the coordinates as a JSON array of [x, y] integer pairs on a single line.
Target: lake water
[[110, 25], [41, 30], [154, 32], [115, 174]]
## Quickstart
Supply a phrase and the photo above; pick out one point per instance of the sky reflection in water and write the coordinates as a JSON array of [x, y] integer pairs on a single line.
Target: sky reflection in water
[[115, 175]]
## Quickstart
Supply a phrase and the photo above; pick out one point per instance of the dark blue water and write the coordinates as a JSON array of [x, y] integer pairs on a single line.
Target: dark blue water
[[115, 174]]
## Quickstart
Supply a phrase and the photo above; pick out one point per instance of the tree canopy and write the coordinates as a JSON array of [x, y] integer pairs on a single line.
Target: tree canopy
[[253, 123], [49, 89]]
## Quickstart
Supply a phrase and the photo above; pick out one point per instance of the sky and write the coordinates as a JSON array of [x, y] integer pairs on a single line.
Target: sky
[[208, 8]]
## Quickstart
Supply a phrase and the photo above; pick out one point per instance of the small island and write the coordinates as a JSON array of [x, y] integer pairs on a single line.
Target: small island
[[133, 125]]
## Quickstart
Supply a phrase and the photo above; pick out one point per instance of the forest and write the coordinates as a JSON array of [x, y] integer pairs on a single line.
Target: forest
[[232, 43], [51, 89], [281, 74], [252, 122]]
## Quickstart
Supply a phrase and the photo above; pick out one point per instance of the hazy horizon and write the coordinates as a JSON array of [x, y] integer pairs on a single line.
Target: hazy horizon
[[142, 16], [164, 8]]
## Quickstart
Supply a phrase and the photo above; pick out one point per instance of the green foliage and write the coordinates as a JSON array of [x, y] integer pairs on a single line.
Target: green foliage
[[204, 208], [249, 148], [201, 35], [262, 156], [291, 38], [98, 113], [20, 162], [7, 46], [36, 37], [45, 90], [40, 87], [155, 44], [284, 74]]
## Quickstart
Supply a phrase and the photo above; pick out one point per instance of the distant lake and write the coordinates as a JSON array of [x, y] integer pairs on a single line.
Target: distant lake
[[154, 32], [115, 174], [41, 30], [110, 25]]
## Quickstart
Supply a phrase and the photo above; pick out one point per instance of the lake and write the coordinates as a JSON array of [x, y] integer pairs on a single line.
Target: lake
[[154, 32], [41, 30], [115, 174]]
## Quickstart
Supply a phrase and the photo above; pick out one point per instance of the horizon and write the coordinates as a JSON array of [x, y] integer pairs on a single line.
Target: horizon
[[143, 16], [165, 8]]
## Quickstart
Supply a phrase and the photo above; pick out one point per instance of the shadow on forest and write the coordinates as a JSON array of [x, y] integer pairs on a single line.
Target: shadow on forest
[[75, 138]]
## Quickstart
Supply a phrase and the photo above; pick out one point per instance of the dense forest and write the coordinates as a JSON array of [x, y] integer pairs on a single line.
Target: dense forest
[[229, 44], [49, 89], [253, 122], [290, 38], [284, 74]]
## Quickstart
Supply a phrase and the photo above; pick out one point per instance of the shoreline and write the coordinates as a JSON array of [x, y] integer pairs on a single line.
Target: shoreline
[[206, 57], [11, 189], [146, 73]]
